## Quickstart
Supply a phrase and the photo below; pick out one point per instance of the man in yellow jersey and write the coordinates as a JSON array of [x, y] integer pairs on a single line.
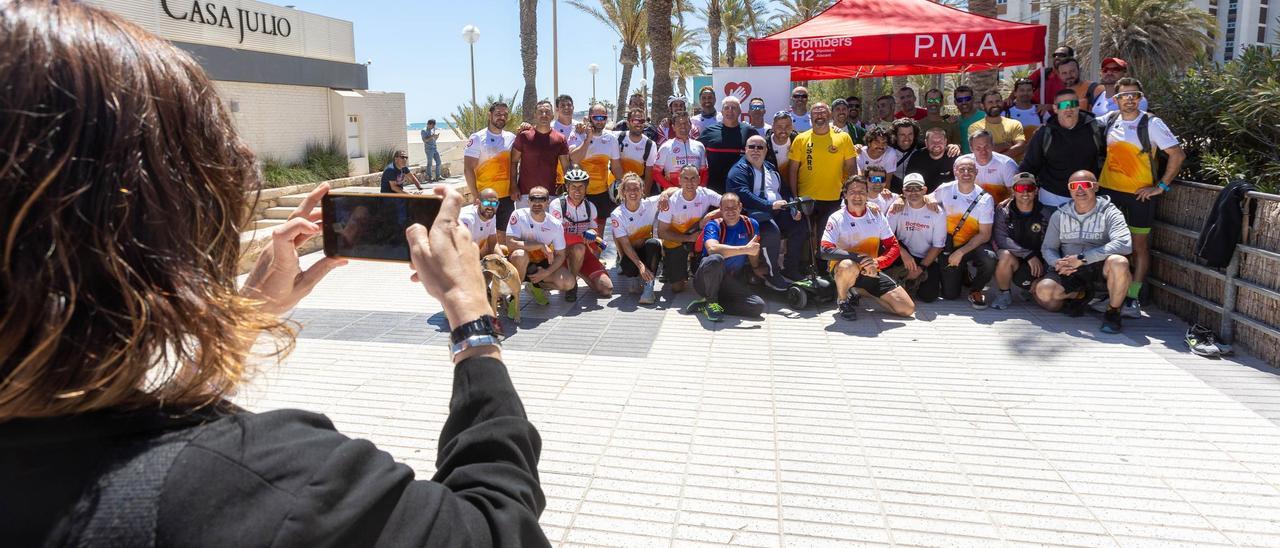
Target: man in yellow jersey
[[819, 162], [600, 156], [487, 162]]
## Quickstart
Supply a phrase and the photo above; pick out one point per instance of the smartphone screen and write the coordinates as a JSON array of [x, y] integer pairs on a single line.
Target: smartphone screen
[[371, 226]]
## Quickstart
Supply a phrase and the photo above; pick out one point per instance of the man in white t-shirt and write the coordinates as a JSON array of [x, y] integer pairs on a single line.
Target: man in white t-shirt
[[707, 113], [878, 152], [536, 241], [995, 170], [638, 250], [639, 153], [970, 214], [800, 109], [680, 227], [1025, 110], [573, 132], [479, 218], [1113, 69], [860, 245], [677, 152], [581, 235], [878, 192], [921, 233]]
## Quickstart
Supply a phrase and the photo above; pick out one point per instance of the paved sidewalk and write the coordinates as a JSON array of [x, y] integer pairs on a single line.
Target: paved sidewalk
[[957, 428]]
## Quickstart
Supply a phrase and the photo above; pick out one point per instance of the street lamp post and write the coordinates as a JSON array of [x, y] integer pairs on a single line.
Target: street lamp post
[[615, 69], [593, 69], [644, 90], [555, 53], [471, 35]]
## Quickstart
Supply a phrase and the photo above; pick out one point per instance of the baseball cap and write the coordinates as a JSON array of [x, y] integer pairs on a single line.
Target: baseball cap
[[1024, 178], [1116, 60], [913, 179]]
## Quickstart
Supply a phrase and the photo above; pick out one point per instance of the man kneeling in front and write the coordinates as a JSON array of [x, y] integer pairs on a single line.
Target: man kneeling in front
[[859, 243], [1086, 241], [732, 244]]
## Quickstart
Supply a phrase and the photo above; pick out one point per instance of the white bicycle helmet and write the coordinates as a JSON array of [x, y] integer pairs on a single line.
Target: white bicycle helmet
[[576, 175]]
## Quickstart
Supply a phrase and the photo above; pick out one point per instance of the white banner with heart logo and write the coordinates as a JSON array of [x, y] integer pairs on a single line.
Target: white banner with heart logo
[[773, 84]]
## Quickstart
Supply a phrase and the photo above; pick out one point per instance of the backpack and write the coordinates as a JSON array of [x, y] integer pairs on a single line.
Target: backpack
[[1091, 94], [751, 232], [648, 147], [1159, 159], [1099, 141]]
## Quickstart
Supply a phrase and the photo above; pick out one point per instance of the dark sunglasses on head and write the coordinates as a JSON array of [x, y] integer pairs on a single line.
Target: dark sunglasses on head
[[488, 203], [1069, 104], [1079, 185], [800, 95], [537, 198], [755, 147], [964, 99], [1024, 188], [599, 118]]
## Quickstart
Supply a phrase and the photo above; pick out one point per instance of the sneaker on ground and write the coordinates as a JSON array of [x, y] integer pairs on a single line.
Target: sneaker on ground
[[978, 299], [512, 309], [695, 307], [647, 296], [777, 283], [539, 296], [1100, 304], [849, 309], [1075, 307], [1111, 321], [571, 295], [1003, 300], [713, 311], [1132, 308], [1201, 342]]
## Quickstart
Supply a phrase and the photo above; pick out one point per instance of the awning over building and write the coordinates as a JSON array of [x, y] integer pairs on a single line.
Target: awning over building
[[864, 38]]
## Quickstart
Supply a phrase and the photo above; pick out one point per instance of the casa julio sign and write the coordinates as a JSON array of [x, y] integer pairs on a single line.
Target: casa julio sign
[[231, 18]]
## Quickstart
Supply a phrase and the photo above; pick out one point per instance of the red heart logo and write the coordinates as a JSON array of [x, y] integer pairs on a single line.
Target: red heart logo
[[730, 87]]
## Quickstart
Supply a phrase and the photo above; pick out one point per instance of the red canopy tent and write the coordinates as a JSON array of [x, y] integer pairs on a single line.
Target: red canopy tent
[[865, 38]]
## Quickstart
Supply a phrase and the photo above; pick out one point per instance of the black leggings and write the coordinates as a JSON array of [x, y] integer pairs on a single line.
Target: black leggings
[[650, 252]]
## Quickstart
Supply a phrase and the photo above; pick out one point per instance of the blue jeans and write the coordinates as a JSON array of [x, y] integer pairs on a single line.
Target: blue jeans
[[432, 155]]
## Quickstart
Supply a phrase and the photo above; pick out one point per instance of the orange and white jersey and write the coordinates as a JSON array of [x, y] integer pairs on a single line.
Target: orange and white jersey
[[635, 226], [674, 154], [683, 214], [481, 229], [566, 130], [602, 150], [856, 234], [576, 219], [549, 232], [954, 204], [997, 176], [633, 153], [493, 150]]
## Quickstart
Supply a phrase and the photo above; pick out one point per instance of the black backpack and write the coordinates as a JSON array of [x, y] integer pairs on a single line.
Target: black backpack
[[648, 146]]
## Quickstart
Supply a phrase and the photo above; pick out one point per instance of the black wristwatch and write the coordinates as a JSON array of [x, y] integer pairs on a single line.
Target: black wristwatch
[[482, 331], [1080, 256]]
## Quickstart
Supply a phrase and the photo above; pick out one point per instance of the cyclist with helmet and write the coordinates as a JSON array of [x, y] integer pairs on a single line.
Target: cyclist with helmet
[[582, 243]]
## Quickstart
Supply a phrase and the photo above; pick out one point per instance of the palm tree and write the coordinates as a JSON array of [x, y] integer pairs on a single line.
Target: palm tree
[[687, 61], [529, 55], [627, 18], [1055, 25], [737, 18], [985, 80], [712, 15], [659, 34], [793, 12], [1154, 36]]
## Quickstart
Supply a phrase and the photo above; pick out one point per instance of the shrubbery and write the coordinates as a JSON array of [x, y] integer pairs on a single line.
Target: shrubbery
[[320, 162]]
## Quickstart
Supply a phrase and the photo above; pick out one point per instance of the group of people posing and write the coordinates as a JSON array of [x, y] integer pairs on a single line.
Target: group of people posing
[[1053, 197]]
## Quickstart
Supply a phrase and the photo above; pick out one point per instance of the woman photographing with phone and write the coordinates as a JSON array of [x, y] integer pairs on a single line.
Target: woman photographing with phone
[[122, 332]]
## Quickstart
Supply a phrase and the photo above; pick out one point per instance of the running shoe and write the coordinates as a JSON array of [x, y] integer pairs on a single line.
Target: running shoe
[[1201, 342], [1132, 308], [1074, 307], [1003, 300], [849, 308], [512, 309], [978, 299], [695, 307], [1100, 304], [1111, 321], [539, 296], [647, 297], [713, 311], [571, 295], [778, 282]]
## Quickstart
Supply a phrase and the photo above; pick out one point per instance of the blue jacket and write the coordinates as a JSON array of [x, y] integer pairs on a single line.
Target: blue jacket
[[741, 181]]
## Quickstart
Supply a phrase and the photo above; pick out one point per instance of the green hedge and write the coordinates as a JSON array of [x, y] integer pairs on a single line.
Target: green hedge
[[320, 162]]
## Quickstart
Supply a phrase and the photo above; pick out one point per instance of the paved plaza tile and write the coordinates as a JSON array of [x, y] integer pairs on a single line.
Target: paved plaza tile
[[957, 428]]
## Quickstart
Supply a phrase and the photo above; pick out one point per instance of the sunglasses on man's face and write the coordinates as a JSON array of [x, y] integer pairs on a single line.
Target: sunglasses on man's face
[[1061, 55], [1024, 188], [877, 179], [800, 96], [490, 203], [402, 157], [964, 99], [855, 106], [1135, 95], [913, 188], [755, 147], [599, 118], [536, 199], [933, 100], [1079, 185], [757, 107], [1068, 105], [1112, 68]]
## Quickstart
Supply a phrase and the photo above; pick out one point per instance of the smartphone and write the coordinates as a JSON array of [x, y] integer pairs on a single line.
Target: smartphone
[[371, 226]]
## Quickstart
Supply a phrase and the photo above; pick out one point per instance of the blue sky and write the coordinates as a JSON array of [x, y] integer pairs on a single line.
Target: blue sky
[[417, 49]]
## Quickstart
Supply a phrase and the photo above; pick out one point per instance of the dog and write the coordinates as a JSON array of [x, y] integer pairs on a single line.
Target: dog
[[503, 282]]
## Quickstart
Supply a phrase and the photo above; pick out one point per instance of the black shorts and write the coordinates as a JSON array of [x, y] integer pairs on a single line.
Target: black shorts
[[876, 286], [534, 267], [506, 206], [1136, 214], [604, 204], [1083, 279], [1022, 277]]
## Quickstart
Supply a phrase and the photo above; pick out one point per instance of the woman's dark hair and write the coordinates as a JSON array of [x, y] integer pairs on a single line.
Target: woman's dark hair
[[122, 194]]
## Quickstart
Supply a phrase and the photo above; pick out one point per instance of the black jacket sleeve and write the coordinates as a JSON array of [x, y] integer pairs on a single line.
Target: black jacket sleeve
[[287, 478], [1033, 160]]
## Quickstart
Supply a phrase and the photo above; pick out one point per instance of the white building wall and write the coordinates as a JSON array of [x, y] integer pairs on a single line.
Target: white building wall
[[277, 121], [385, 120], [1241, 24]]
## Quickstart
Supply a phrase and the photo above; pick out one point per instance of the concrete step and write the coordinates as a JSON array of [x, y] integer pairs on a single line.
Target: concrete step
[[295, 200], [281, 213], [266, 223]]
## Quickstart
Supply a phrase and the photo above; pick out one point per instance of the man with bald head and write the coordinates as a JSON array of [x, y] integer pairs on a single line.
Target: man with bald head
[[1086, 242], [800, 109], [725, 141], [819, 161]]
